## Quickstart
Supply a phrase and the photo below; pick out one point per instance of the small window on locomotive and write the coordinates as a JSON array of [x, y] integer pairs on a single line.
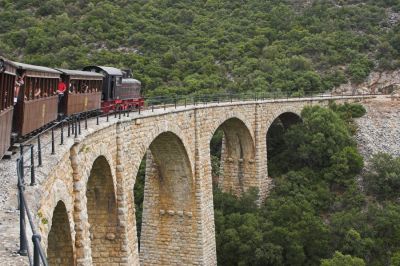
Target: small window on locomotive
[[119, 80]]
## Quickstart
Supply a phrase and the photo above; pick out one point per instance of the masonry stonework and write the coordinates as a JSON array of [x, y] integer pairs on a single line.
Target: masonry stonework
[[94, 182], [60, 251]]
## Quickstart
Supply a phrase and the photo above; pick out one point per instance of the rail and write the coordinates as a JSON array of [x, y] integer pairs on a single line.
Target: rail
[[72, 127]]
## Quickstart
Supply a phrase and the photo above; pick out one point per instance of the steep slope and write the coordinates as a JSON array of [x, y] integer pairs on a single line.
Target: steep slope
[[212, 46], [379, 130]]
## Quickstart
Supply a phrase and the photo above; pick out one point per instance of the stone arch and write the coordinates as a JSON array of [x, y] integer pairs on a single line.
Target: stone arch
[[105, 241], [142, 144], [137, 146], [237, 171], [275, 132], [88, 153], [60, 246], [174, 170], [287, 112], [225, 116], [59, 193], [288, 119], [83, 154], [169, 226]]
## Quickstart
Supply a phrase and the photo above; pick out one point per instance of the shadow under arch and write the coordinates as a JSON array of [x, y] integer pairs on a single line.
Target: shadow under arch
[[60, 246], [102, 214], [236, 159], [169, 218], [275, 138]]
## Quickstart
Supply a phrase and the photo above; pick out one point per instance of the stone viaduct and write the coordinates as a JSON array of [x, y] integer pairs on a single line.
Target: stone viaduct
[[87, 212]]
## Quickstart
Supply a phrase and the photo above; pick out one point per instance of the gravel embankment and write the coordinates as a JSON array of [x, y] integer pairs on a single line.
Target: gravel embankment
[[379, 130]]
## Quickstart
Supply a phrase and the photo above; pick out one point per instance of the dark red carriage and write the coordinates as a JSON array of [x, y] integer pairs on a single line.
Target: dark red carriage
[[83, 91], [7, 82], [37, 99]]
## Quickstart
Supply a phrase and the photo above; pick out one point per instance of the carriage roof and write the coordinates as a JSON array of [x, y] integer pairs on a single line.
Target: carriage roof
[[79, 74], [8, 67], [112, 71], [38, 71]]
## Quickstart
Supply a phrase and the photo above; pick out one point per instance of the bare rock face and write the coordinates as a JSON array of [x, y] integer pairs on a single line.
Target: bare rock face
[[395, 95], [379, 130], [377, 82]]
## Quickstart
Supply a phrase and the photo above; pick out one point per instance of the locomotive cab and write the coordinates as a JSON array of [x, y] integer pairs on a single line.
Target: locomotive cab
[[112, 79], [119, 90]]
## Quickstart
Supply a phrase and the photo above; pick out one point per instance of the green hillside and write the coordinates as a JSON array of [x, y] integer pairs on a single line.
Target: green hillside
[[184, 47]]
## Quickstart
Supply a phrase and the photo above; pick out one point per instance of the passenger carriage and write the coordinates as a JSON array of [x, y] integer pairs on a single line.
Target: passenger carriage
[[7, 81], [83, 91], [37, 99]]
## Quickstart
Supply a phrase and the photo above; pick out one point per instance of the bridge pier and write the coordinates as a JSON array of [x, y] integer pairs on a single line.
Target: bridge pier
[[237, 164], [169, 229]]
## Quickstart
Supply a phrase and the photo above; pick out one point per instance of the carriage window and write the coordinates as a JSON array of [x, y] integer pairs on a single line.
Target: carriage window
[[19, 85], [78, 86], [2, 91], [45, 88], [11, 90], [38, 88], [73, 86], [53, 86], [28, 88]]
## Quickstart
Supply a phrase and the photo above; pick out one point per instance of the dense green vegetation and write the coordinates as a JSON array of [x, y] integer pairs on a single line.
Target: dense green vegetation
[[205, 47], [138, 191], [317, 214]]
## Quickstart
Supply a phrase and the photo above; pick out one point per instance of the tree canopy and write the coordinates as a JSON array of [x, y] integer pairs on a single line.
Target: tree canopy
[[207, 47]]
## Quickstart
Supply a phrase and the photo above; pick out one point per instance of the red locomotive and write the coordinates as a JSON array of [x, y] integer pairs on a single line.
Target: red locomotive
[[32, 96]]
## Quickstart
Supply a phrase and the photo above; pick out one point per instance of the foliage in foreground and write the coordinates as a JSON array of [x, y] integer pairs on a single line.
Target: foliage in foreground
[[316, 212], [384, 180], [341, 260]]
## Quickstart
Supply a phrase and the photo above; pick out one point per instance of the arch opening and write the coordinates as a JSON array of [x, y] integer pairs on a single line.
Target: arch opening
[[60, 246], [169, 227], [232, 155], [102, 213], [276, 142], [138, 193]]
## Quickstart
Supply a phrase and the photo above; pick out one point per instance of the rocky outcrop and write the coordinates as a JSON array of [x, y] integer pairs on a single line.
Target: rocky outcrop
[[377, 82]]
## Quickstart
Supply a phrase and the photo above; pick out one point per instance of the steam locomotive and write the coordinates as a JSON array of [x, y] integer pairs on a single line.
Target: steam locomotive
[[32, 96]]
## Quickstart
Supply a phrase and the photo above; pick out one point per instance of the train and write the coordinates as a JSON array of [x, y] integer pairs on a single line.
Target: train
[[32, 97]]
